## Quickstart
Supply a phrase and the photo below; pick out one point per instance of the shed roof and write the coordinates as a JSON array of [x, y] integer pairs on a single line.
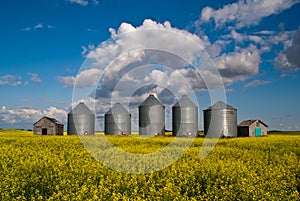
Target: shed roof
[[220, 105], [81, 108], [247, 123], [50, 119], [185, 102], [118, 108], [151, 101]]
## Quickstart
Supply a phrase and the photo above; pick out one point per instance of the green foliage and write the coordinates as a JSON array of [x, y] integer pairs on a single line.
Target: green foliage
[[60, 168]]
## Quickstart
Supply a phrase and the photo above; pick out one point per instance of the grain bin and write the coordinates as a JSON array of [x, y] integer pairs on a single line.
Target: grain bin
[[81, 120], [220, 120], [151, 117], [117, 121], [185, 118]]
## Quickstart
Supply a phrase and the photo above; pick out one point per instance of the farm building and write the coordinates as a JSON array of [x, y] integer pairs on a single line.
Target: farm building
[[185, 117], [48, 126], [220, 120], [251, 128], [151, 117], [117, 121], [81, 121]]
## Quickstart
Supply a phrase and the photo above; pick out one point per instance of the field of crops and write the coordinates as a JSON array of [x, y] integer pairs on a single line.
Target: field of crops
[[60, 168]]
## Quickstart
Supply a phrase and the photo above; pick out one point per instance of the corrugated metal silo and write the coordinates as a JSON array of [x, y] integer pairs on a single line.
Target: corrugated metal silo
[[151, 117], [81, 121], [220, 120], [117, 121], [185, 117]]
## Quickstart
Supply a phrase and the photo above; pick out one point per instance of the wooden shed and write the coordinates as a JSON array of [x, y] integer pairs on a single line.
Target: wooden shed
[[252, 128], [48, 126]]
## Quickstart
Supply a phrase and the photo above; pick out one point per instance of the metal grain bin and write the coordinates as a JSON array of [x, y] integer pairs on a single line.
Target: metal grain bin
[[81, 121], [151, 117], [117, 121], [185, 118], [220, 120]]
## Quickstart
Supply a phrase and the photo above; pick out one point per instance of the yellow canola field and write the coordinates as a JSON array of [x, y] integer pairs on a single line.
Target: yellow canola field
[[60, 168]]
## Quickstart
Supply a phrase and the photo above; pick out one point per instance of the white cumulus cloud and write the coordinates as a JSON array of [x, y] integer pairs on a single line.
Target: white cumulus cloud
[[289, 58], [38, 26], [86, 78], [87, 49], [80, 2], [240, 64], [84, 2], [245, 13], [35, 77], [67, 81], [125, 63], [24, 117], [132, 45], [10, 80]]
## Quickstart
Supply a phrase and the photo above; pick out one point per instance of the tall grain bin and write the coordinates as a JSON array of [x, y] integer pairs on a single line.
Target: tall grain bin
[[81, 121], [185, 117], [220, 120], [151, 117], [117, 121]]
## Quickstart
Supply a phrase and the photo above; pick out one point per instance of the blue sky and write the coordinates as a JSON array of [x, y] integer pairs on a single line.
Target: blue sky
[[254, 44]]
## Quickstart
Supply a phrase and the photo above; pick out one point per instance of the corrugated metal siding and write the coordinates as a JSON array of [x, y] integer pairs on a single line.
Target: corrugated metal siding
[[117, 121], [81, 124], [185, 118], [81, 121], [151, 117], [220, 122]]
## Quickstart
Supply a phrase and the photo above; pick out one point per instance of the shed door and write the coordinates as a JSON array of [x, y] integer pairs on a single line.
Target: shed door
[[44, 131], [257, 131]]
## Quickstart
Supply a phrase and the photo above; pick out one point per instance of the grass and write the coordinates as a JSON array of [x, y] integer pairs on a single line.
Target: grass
[[285, 133]]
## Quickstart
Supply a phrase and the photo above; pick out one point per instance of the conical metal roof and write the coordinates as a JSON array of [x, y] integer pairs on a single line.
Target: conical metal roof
[[185, 102], [151, 101], [118, 108], [220, 105], [81, 108]]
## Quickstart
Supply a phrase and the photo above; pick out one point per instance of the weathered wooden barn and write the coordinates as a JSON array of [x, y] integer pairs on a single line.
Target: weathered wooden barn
[[48, 126], [252, 128]]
